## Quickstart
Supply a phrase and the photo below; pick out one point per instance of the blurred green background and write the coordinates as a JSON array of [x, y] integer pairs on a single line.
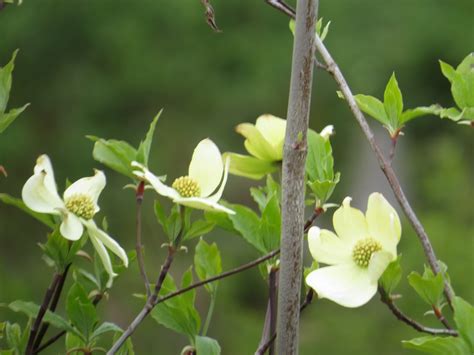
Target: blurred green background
[[106, 68]]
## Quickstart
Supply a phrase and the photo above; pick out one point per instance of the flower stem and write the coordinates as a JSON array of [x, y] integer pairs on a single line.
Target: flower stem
[[210, 311], [139, 246]]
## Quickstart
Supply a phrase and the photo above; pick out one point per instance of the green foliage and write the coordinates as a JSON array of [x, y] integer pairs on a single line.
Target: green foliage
[[46, 219], [438, 345], [7, 118], [58, 251], [462, 89], [391, 276], [320, 168], [81, 311], [16, 339], [207, 346], [119, 155], [250, 167], [319, 26], [178, 313], [207, 263], [464, 318], [390, 113], [429, 286]]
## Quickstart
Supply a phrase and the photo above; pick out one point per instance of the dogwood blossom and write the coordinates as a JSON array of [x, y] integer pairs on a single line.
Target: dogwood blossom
[[76, 209], [358, 255], [206, 171]]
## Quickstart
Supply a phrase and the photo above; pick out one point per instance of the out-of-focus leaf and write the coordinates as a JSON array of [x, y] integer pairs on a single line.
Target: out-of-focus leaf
[[464, 318], [391, 276], [410, 114], [46, 219], [207, 263], [438, 345], [199, 228], [429, 286], [144, 148], [207, 346], [81, 311]]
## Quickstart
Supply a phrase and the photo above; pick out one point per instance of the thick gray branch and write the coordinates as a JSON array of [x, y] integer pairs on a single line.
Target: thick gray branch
[[293, 178]]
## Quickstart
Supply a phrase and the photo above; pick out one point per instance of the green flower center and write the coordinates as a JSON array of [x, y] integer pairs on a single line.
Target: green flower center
[[363, 251], [81, 205], [187, 187]]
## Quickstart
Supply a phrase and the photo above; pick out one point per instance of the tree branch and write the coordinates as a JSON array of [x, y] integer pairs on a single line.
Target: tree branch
[[294, 157], [411, 322]]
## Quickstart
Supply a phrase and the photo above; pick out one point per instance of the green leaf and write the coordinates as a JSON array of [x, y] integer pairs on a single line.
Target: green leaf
[[46, 219], [105, 327], [13, 335], [462, 81], [207, 346], [270, 225], [7, 119], [31, 310], [145, 145], [323, 190], [393, 102], [81, 311], [319, 162], [116, 155], [373, 107], [221, 219], [410, 114], [207, 263], [199, 228], [438, 345], [161, 216], [178, 313], [74, 342], [464, 318], [448, 71], [263, 194], [319, 25], [247, 223], [391, 276], [249, 167], [429, 287], [126, 348]]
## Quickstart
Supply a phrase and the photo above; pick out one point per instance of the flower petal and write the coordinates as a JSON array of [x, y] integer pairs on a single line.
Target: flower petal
[[95, 232], [217, 196], [206, 166], [202, 204], [327, 248], [349, 223], [154, 181], [105, 258], [91, 186], [39, 192], [38, 195], [71, 228], [383, 223], [327, 131], [273, 130], [256, 144], [378, 263], [345, 284]]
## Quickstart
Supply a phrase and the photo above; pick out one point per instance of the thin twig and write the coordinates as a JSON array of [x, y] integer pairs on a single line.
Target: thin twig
[[439, 314], [54, 303], [393, 146], [139, 245], [316, 212], [282, 6], [411, 322], [385, 166], [151, 302], [273, 298], [42, 311]]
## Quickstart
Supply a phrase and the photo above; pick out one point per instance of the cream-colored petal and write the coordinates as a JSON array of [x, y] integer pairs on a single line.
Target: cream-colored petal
[[38, 195], [202, 204], [349, 223], [327, 131], [95, 232], [217, 196], [71, 227], [91, 186], [43, 165], [143, 173], [256, 144], [206, 166], [345, 284], [105, 258], [378, 263], [383, 222], [327, 248], [273, 130]]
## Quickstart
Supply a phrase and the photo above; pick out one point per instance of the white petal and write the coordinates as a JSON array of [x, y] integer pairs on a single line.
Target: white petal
[[38, 195], [345, 284], [349, 223], [71, 227], [383, 223], [91, 186], [378, 263], [327, 248], [95, 232], [217, 196], [105, 258], [206, 166], [327, 132], [202, 204], [273, 130], [43, 164], [154, 181]]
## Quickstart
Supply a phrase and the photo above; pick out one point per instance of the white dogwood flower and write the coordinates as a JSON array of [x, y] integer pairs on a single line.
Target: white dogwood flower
[[359, 253], [76, 209], [196, 189]]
